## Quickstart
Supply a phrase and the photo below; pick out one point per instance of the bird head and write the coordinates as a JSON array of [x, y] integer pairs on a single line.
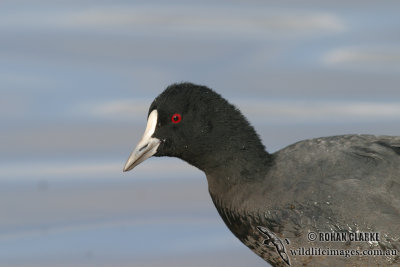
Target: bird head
[[195, 124]]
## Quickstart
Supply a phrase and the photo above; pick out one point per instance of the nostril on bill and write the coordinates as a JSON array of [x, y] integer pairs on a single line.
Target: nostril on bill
[[143, 147]]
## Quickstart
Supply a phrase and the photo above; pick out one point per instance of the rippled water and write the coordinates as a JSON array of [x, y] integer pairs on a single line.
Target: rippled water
[[76, 79]]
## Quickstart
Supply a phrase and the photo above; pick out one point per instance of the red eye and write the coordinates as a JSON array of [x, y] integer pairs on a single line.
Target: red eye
[[176, 118]]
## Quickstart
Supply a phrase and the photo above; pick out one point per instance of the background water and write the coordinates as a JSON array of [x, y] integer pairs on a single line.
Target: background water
[[76, 80]]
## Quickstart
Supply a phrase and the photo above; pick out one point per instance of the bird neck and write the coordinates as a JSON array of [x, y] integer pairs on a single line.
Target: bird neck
[[243, 167], [228, 147], [233, 161]]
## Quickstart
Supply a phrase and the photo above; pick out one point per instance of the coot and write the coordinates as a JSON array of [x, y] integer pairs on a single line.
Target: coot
[[331, 201]]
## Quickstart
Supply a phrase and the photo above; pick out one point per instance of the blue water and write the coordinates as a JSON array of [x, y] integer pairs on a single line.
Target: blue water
[[77, 77]]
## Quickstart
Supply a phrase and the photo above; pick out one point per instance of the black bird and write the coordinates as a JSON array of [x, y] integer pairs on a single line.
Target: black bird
[[331, 201]]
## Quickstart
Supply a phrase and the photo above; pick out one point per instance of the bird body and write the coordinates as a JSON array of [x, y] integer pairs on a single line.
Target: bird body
[[324, 195], [338, 187]]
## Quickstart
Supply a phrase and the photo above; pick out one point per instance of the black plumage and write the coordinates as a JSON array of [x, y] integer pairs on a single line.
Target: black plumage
[[345, 184]]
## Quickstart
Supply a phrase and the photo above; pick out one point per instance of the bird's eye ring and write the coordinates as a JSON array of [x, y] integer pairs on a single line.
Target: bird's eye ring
[[176, 118]]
